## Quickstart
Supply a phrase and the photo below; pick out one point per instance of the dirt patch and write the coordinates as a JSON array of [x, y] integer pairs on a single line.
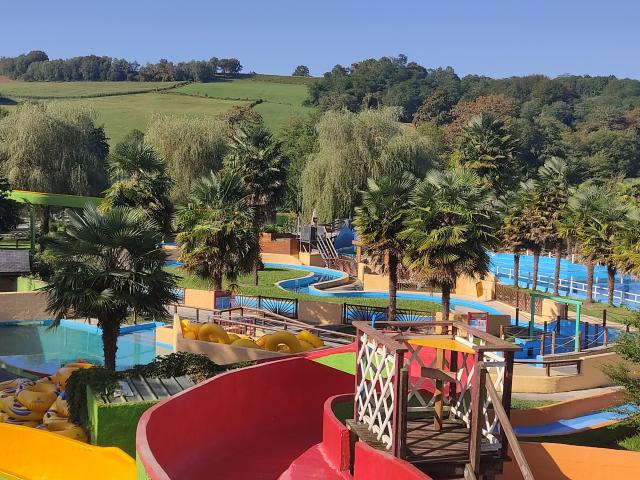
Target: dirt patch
[[4, 79]]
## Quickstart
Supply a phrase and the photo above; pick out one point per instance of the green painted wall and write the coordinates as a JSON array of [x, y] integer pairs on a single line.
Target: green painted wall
[[27, 284], [114, 425]]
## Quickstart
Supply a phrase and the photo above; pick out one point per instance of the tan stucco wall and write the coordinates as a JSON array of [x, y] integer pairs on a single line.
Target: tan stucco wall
[[23, 306], [312, 259], [591, 376], [474, 287], [165, 335], [322, 313], [198, 298], [280, 258]]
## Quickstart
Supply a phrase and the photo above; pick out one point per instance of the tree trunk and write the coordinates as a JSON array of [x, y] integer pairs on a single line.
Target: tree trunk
[[536, 262], [556, 273], [393, 286], [216, 280], [590, 269], [110, 332], [611, 283], [255, 272], [516, 270], [46, 214], [446, 301]]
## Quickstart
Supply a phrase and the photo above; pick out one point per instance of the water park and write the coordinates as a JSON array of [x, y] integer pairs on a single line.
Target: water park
[[510, 385], [389, 270]]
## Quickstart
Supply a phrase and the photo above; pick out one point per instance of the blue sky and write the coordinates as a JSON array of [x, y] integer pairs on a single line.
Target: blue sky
[[491, 37]]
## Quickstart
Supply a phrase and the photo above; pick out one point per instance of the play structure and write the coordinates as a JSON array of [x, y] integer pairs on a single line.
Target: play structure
[[41, 404]]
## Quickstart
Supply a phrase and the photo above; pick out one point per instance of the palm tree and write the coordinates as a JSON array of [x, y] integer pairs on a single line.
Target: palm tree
[[512, 234], [604, 231], [257, 158], [106, 265], [545, 209], [452, 226], [379, 221], [488, 148], [140, 181], [582, 205], [216, 230]]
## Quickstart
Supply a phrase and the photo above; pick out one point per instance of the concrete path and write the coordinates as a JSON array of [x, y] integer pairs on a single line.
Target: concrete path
[[562, 396]]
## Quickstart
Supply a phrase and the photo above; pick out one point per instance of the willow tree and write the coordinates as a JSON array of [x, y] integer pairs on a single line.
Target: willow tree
[[191, 147], [353, 147], [53, 147]]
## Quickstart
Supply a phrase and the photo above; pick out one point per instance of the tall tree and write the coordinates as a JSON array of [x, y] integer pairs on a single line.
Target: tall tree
[[488, 148], [605, 231], [258, 159], [106, 265], [379, 222], [301, 71], [140, 181], [512, 234], [545, 208], [191, 147], [53, 147], [451, 228], [355, 147], [216, 229]]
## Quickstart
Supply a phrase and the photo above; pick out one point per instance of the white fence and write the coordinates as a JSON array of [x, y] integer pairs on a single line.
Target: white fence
[[570, 287]]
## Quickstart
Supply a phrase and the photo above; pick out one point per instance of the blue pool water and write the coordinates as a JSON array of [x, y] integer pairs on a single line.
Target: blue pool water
[[33, 346], [318, 274], [573, 276]]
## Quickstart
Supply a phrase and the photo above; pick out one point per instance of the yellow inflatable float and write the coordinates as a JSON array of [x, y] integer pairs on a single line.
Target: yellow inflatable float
[[284, 341], [210, 332]]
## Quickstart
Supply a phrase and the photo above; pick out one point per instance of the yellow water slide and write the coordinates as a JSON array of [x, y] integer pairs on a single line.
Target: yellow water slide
[[31, 454]]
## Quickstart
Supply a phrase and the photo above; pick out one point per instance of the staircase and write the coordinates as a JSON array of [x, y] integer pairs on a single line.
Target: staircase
[[325, 246]]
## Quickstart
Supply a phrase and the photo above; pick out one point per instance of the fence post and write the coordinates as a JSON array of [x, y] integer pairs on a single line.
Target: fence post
[[502, 332], [517, 317], [604, 318], [579, 341], [553, 342], [542, 342]]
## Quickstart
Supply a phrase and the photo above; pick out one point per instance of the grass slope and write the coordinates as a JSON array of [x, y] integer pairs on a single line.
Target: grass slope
[[19, 90], [121, 111]]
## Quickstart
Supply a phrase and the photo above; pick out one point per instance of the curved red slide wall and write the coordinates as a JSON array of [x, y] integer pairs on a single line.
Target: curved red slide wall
[[244, 424]]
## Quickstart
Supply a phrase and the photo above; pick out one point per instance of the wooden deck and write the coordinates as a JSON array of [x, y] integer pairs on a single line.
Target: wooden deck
[[443, 452]]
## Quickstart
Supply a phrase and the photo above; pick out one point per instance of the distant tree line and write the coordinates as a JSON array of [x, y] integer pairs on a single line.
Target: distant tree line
[[36, 66], [592, 122]]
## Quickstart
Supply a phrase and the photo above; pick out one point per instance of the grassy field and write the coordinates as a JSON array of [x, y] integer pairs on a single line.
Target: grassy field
[[18, 90], [266, 287], [120, 111]]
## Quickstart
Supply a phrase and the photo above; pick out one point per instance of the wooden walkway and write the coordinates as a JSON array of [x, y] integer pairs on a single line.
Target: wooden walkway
[[443, 452]]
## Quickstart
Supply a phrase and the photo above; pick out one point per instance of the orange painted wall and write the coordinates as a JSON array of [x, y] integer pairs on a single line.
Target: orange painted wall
[[555, 461]]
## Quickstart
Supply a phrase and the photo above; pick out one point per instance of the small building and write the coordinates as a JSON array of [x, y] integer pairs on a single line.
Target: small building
[[13, 264]]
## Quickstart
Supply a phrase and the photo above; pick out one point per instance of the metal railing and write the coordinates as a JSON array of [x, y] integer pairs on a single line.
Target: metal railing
[[287, 307], [366, 313], [571, 287]]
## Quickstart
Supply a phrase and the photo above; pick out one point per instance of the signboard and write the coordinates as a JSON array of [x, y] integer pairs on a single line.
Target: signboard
[[478, 320]]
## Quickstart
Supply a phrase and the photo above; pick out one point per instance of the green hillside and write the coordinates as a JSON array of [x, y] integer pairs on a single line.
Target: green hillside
[[123, 106]]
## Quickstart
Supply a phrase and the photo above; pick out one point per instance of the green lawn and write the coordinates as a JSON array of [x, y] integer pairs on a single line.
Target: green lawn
[[518, 404], [121, 112], [266, 287], [76, 89]]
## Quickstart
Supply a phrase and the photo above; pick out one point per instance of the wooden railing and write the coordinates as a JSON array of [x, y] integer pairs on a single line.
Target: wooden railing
[[517, 298], [549, 364], [383, 395], [287, 307], [509, 438]]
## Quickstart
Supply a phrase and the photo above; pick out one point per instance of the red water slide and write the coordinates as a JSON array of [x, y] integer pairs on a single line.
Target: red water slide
[[245, 424]]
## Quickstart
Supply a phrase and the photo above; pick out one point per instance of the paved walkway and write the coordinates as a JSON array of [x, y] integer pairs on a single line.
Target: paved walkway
[[562, 396]]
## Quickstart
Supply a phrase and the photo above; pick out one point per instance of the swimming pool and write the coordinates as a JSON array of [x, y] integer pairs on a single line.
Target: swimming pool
[[34, 347], [573, 278], [319, 274]]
